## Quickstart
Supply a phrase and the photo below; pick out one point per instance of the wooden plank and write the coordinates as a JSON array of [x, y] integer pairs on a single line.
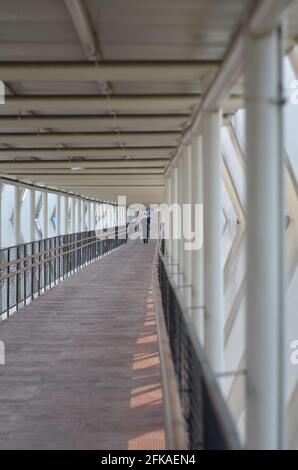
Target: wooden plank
[[82, 362]]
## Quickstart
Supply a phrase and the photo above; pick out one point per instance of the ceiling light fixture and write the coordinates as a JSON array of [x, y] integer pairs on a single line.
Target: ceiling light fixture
[[76, 168]]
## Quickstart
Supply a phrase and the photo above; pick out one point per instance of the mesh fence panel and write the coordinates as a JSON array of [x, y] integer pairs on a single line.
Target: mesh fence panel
[[29, 269]]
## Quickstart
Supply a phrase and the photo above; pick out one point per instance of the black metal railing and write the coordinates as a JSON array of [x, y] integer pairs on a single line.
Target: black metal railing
[[207, 419], [29, 269]]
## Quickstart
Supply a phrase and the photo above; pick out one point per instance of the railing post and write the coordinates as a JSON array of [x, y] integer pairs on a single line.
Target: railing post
[[17, 279], [39, 265], [25, 275], [44, 265], [8, 282], [33, 261]]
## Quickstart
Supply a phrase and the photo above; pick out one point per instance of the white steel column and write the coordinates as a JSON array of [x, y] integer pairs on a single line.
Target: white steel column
[[65, 216], [99, 212], [79, 216], [17, 214], [32, 214], [1, 188], [265, 227], [109, 216], [180, 194], [73, 215], [168, 230], [187, 254], [45, 214], [89, 215], [174, 228], [58, 214], [197, 255], [213, 272], [92, 215], [83, 215], [106, 225]]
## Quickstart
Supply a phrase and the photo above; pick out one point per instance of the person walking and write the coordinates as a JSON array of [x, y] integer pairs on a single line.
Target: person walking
[[146, 227]]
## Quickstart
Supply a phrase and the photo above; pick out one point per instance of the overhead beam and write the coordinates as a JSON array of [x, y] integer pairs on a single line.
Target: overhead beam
[[113, 104], [79, 177], [178, 71], [82, 173], [122, 186], [51, 189], [28, 165], [82, 23], [99, 152], [95, 123], [92, 138]]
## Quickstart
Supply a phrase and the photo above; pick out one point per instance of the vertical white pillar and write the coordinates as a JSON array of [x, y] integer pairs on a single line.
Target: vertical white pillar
[[109, 216], [79, 216], [180, 195], [65, 216], [187, 254], [1, 188], [58, 214], [168, 230], [83, 215], [119, 216], [265, 226], [73, 215], [124, 219], [89, 215], [197, 255], [45, 214], [174, 228], [114, 216], [213, 272], [106, 216], [99, 212], [92, 215], [17, 214], [32, 214]]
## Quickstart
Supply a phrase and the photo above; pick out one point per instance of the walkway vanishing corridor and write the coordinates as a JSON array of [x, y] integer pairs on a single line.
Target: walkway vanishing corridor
[[82, 362]]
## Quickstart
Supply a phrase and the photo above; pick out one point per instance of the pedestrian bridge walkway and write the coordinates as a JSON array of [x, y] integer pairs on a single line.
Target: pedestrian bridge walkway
[[82, 362]]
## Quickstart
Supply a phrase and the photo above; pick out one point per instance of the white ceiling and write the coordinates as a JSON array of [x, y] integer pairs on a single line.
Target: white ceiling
[[123, 141]]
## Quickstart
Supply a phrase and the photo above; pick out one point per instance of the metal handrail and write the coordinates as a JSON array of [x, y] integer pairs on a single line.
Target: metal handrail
[[55, 248], [208, 421], [22, 278]]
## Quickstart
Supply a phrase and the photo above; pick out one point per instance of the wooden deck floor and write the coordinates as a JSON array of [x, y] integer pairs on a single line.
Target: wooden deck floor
[[82, 362]]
